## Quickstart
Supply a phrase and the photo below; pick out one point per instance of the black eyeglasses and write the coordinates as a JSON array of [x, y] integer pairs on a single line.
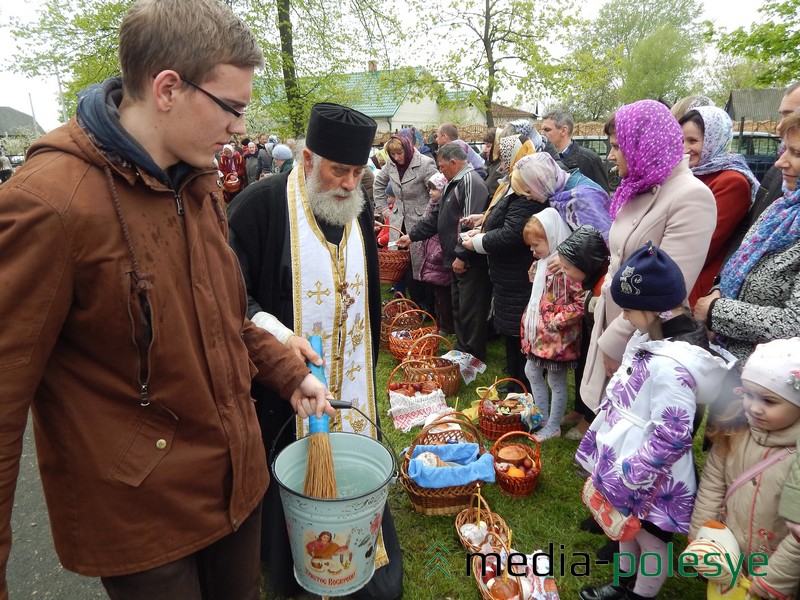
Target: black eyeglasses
[[223, 105]]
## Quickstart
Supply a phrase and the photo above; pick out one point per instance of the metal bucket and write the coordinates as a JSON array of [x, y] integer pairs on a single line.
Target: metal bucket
[[333, 541]]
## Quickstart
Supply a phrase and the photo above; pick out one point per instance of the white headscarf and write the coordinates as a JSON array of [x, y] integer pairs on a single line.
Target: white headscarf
[[556, 230]]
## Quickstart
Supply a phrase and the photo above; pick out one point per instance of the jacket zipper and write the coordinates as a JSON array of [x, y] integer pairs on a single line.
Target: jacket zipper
[[179, 204]]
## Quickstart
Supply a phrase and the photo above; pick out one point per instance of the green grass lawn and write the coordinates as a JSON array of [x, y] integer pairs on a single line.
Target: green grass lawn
[[549, 516]]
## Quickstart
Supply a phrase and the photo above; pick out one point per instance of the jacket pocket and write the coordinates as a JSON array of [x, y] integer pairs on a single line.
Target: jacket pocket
[[150, 440]]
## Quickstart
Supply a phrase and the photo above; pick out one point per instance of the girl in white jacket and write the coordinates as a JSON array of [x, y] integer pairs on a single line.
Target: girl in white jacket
[[639, 447]]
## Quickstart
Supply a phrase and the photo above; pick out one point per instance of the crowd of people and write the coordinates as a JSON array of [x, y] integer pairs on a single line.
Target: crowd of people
[[139, 341], [680, 291]]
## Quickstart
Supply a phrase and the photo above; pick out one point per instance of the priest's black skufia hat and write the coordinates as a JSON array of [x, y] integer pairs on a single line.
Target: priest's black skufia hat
[[340, 134]]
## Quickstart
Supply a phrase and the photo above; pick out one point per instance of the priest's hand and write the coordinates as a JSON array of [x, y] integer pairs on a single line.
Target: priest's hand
[[459, 266], [302, 349], [404, 241], [311, 398]]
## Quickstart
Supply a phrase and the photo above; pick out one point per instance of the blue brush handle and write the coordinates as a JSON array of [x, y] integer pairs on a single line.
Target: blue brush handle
[[319, 372], [316, 346]]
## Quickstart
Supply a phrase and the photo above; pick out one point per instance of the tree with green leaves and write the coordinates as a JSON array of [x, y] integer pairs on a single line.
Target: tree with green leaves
[[633, 49], [79, 38], [774, 43], [307, 45], [490, 46]]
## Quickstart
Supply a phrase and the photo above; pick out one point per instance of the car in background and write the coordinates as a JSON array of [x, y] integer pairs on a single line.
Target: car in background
[[599, 144], [760, 150]]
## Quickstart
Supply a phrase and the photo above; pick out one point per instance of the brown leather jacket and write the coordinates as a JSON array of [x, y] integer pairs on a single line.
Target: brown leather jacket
[[134, 476]]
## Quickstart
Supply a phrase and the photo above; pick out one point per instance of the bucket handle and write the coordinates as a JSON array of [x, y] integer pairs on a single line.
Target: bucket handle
[[344, 405]]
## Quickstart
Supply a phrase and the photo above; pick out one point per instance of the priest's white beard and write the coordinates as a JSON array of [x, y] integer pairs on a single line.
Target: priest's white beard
[[335, 207]]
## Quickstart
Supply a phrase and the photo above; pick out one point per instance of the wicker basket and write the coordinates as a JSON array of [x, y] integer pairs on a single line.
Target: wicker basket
[[494, 425], [401, 347], [393, 263], [446, 371], [441, 501], [518, 487], [420, 374], [479, 511], [395, 307], [477, 561]]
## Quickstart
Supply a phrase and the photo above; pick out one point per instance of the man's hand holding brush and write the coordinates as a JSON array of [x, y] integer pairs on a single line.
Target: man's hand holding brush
[[311, 397]]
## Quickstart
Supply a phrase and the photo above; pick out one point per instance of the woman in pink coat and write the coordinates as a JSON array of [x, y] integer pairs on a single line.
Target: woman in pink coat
[[659, 200]]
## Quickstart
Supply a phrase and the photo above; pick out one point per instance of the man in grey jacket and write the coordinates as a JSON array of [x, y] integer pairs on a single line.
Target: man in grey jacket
[[471, 290]]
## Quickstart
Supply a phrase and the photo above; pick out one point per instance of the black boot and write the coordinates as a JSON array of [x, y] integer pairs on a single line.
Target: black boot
[[590, 525], [609, 591], [606, 552]]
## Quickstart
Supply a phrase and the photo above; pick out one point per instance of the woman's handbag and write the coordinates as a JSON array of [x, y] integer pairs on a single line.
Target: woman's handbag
[[231, 183], [615, 525]]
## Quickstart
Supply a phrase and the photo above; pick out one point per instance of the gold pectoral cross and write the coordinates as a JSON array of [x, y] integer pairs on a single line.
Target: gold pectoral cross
[[347, 300], [319, 292]]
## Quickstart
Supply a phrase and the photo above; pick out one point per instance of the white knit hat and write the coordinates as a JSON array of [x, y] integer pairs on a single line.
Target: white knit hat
[[776, 366]]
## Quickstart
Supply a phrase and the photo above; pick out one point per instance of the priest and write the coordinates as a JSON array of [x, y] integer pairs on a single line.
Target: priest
[[306, 246]]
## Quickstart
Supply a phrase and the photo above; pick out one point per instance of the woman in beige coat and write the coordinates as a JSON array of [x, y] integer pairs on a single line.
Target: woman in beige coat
[[658, 201]]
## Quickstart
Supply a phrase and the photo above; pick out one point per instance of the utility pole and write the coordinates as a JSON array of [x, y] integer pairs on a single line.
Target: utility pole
[[61, 96], [33, 116]]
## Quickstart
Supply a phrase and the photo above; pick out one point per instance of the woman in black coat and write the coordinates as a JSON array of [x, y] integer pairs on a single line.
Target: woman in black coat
[[509, 258]]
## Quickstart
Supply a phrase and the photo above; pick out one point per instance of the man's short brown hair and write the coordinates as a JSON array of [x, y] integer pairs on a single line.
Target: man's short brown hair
[[450, 130], [188, 36]]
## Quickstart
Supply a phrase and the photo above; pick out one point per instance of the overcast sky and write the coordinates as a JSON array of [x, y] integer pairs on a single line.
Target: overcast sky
[[18, 91]]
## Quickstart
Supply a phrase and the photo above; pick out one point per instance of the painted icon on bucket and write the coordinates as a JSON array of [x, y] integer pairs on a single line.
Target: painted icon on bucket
[[329, 555]]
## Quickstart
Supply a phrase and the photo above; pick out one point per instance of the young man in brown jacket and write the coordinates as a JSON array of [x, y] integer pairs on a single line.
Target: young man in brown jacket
[[123, 322]]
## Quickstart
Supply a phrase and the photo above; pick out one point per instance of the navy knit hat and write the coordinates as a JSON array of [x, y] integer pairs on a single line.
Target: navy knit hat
[[648, 280]]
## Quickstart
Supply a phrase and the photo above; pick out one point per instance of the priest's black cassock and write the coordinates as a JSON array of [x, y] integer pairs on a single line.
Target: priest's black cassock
[[259, 234]]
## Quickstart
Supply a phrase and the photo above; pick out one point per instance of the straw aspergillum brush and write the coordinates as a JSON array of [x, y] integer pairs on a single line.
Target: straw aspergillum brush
[[320, 481]]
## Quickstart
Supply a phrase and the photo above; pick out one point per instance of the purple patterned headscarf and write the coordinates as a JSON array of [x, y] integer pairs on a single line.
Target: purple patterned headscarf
[[651, 142], [714, 157]]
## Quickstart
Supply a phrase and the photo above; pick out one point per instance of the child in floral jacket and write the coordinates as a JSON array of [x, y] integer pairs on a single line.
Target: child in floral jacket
[[639, 447], [551, 324]]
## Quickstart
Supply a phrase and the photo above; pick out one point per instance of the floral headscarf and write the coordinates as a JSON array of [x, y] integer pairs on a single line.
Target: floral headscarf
[[652, 142], [526, 128], [514, 147], [541, 174], [408, 152], [777, 229], [714, 156]]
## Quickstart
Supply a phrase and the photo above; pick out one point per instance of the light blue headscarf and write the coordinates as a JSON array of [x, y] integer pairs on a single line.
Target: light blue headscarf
[[715, 157]]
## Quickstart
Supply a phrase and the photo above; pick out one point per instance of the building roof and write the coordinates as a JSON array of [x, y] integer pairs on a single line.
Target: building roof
[[508, 113], [755, 105], [13, 122], [380, 93]]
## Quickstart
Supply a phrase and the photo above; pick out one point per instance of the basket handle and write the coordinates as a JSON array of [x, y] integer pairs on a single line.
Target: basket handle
[[402, 300], [494, 385], [400, 231], [414, 310], [429, 336], [502, 544], [482, 504], [512, 434], [447, 419], [406, 363]]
